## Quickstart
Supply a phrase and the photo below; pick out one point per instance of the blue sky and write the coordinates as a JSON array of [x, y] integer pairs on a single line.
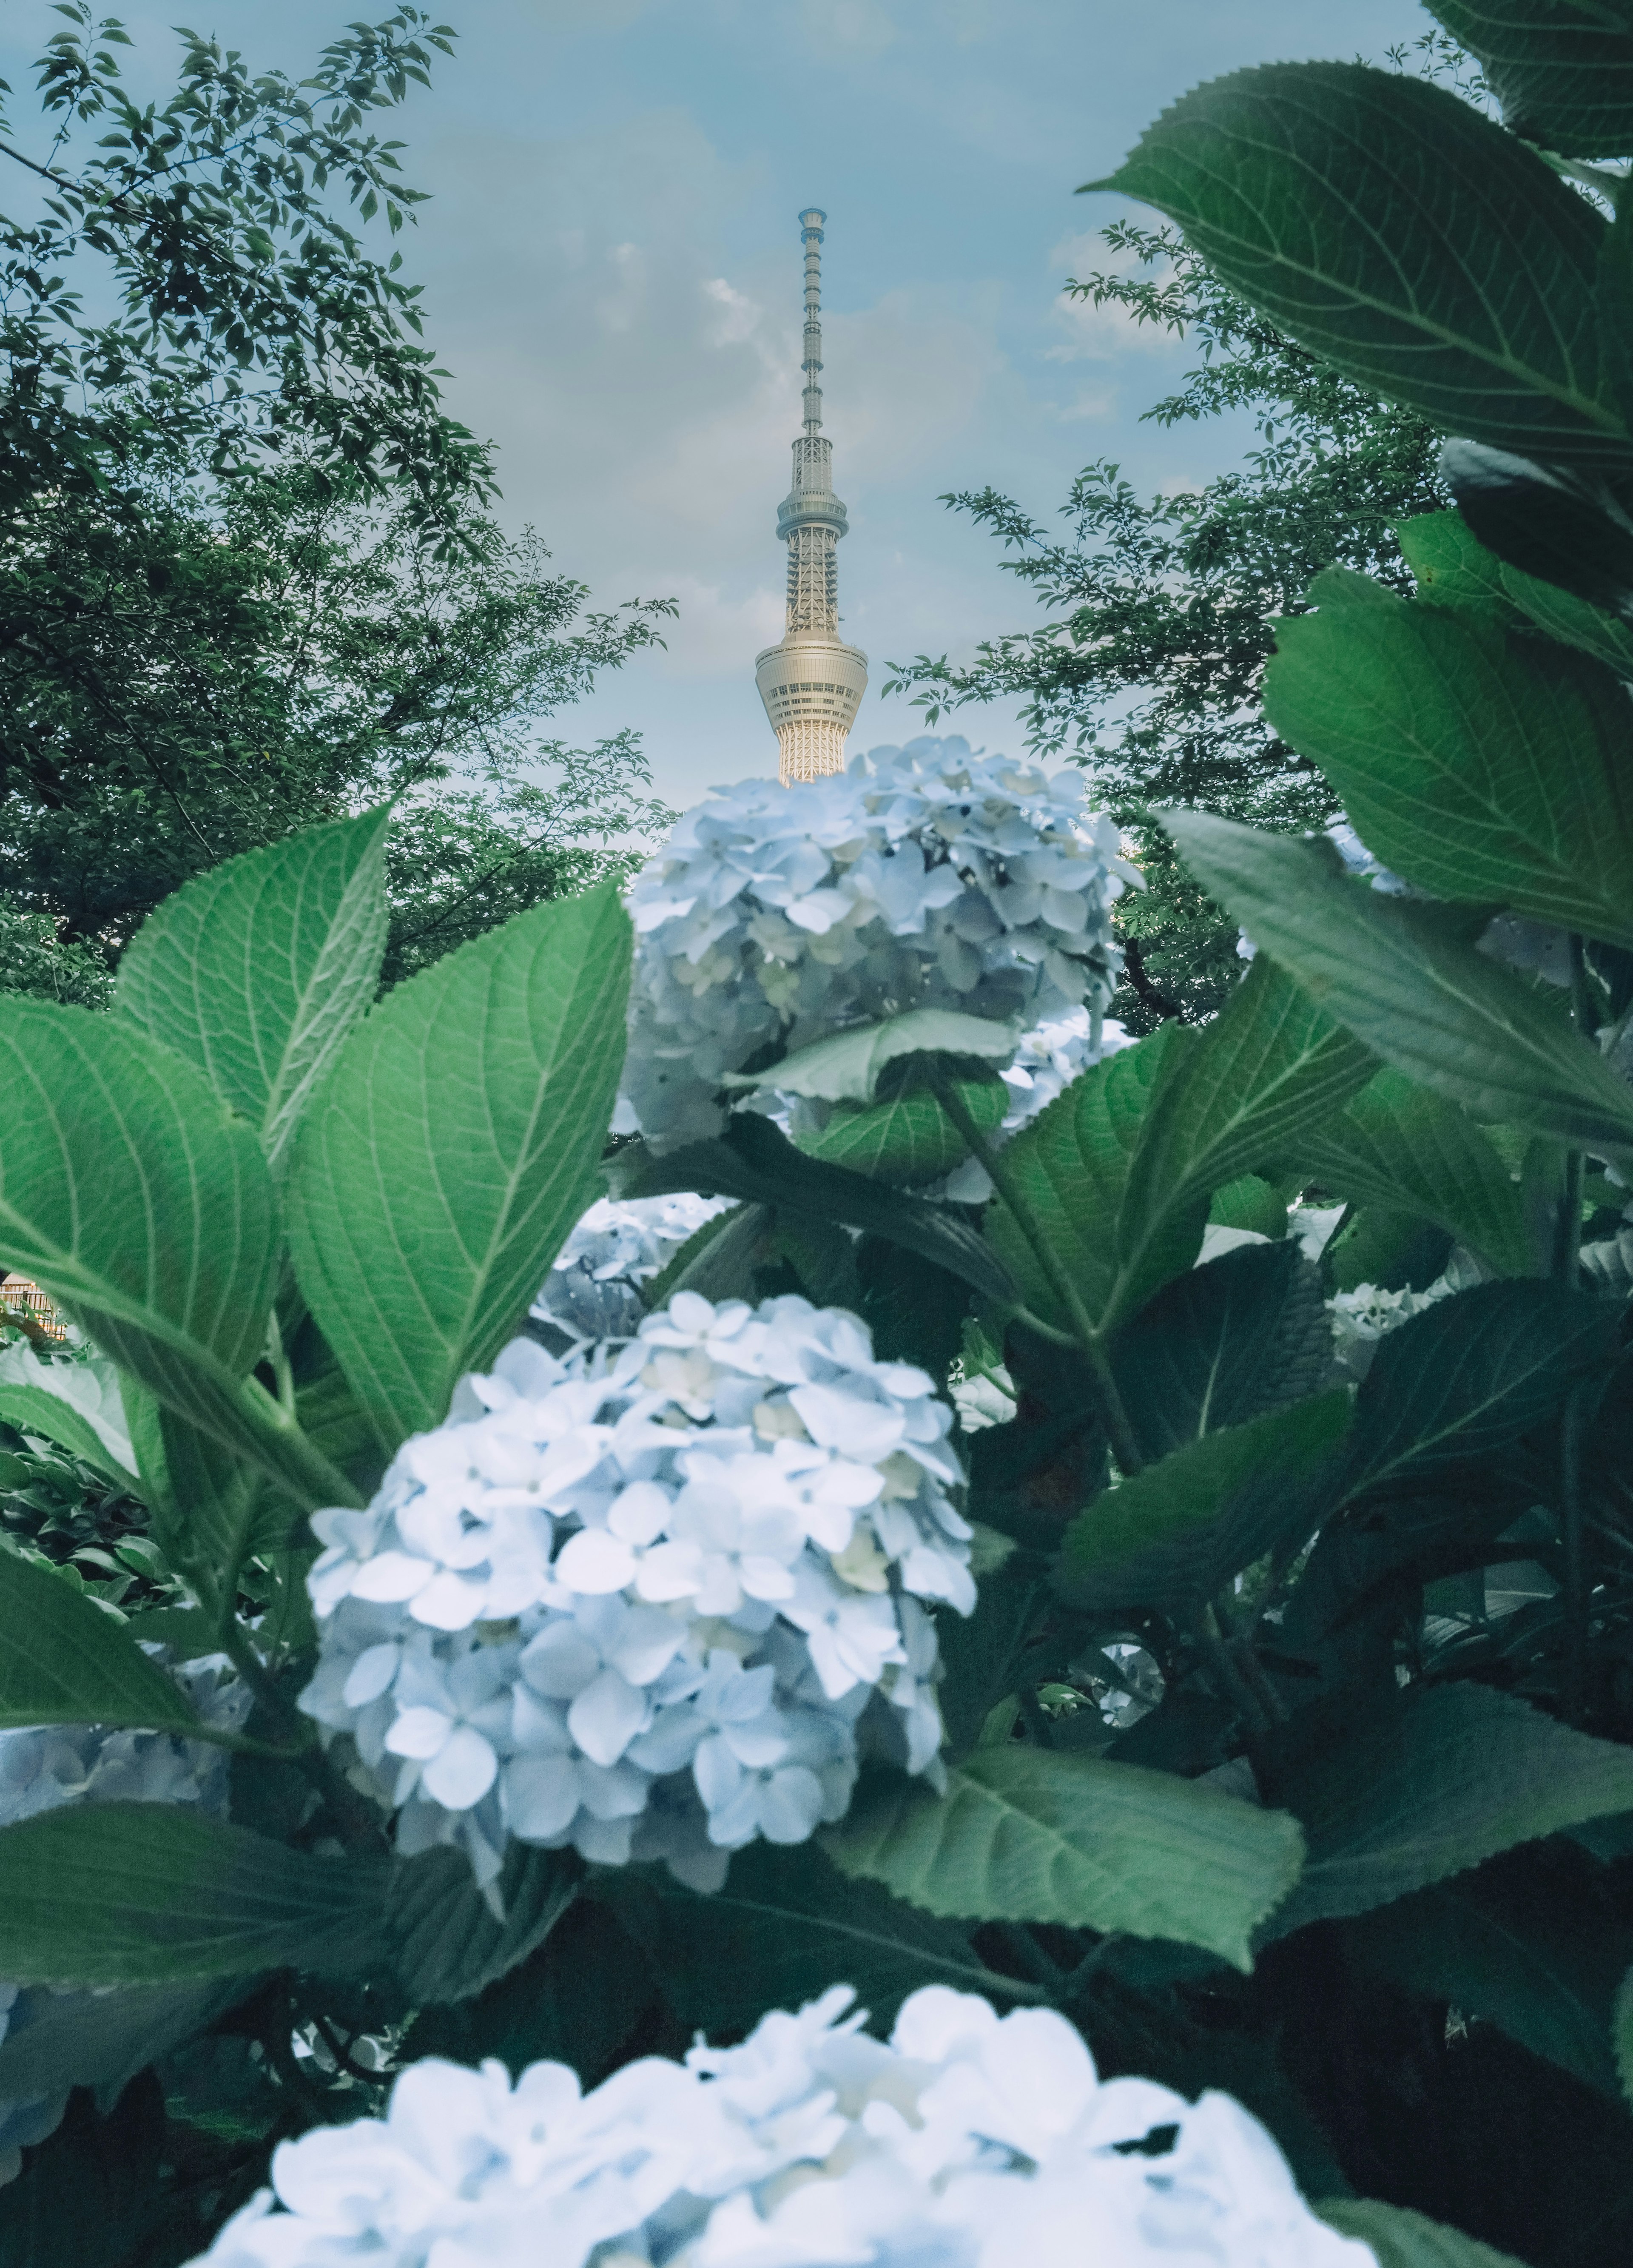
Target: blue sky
[[611, 273]]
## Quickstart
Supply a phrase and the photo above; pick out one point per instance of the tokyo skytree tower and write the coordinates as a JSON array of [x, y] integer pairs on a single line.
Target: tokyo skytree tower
[[812, 684]]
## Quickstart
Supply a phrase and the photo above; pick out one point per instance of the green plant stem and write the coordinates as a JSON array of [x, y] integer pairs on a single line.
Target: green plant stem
[[1222, 1662], [1568, 1231], [1573, 1680], [1124, 1446], [1037, 1722]]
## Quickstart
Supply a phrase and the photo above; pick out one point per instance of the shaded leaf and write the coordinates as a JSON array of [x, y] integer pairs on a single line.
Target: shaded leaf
[[1447, 1016], [63, 1661], [1223, 1343], [908, 1139], [1427, 1782], [145, 1208], [1026, 1834], [1071, 1165], [58, 2040], [1399, 1146], [256, 970], [754, 1161], [1270, 1066], [1469, 1378], [575, 1999], [1552, 523], [846, 1067], [1301, 185], [1154, 1539], [1564, 73], [90, 2187], [447, 1941], [151, 1893], [76, 1404], [787, 1925], [1479, 766], [1521, 1941], [453, 1146]]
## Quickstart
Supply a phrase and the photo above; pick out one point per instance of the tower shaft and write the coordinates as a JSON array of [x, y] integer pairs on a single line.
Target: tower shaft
[[812, 683]]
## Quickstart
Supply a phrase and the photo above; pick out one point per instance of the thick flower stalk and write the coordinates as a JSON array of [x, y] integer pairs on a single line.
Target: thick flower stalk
[[42, 1768], [651, 1601], [966, 2140], [921, 877]]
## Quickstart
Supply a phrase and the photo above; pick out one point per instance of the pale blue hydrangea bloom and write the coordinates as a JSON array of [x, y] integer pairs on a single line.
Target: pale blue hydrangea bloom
[[966, 2140], [921, 877], [653, 1600]]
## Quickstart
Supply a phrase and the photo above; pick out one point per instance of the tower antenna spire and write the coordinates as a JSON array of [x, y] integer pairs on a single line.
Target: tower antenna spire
[[811, 228], [812, 684]]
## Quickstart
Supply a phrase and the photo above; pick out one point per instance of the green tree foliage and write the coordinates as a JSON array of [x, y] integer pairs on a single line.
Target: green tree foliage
[[249, 575]]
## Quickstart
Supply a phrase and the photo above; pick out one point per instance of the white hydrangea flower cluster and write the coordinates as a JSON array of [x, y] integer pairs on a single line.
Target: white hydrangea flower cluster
[[967, 2140], [921, 877], [44, 1767], [1361, 1318], [593, 1290], [651, 1601]]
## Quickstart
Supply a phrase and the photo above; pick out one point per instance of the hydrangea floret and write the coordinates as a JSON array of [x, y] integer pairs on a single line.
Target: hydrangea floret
[[926, 876], [653, 1601], [593, 1289], [42, 1768], [966, 2140]]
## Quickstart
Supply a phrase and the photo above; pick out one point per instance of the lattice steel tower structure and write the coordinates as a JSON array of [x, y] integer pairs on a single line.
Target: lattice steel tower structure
[[812, 684]]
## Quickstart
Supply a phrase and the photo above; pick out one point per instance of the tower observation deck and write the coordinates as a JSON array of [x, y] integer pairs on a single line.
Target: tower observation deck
[[812, 684]]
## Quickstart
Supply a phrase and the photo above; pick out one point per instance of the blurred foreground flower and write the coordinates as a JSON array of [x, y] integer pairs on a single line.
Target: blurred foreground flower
[[967, 2141]]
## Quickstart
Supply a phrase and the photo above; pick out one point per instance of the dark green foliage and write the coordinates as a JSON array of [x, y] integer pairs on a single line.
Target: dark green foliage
[[1289, 1744]]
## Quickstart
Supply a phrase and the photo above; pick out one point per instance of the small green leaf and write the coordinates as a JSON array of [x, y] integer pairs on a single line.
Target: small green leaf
[[1026, 1834], [153, 1894], [1302, 184], [910, 1137], [1399, 1146], [448, 1942], [1454, 569], [75, 1403], [63, 1661], [1121, 1550], [1445, 1014], [256, 970], [846, 1068], [1479, 767], [1429, 1781], [455, 1142]]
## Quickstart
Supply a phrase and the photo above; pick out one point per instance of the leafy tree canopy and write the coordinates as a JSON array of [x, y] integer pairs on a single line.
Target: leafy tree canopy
[[249, 569]]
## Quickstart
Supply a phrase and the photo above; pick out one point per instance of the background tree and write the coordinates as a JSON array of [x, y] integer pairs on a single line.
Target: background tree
[[1149, 670], [249, 569]]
